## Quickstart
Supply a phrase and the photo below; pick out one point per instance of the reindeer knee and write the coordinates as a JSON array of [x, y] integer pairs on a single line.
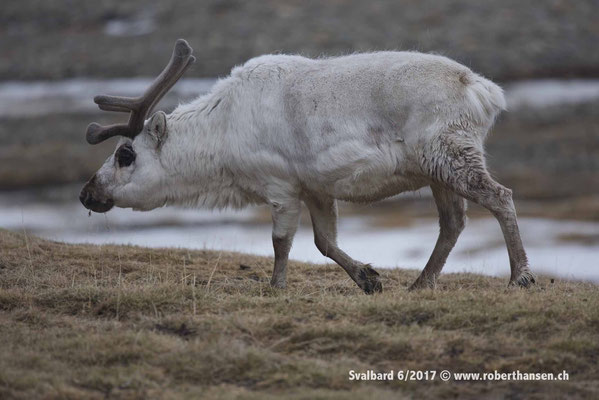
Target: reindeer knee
[[282, 244], [323, 245]]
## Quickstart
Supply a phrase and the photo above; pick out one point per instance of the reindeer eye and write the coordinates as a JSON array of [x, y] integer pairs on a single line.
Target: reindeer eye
[[125, 155]]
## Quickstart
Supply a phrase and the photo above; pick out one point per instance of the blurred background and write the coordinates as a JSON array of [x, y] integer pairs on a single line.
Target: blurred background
[[56, 55]]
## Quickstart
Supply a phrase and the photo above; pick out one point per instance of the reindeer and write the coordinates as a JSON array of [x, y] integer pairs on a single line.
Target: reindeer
[[285, 129]]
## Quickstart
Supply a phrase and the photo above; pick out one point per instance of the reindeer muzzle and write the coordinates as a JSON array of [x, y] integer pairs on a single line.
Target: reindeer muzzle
[[93, 200]]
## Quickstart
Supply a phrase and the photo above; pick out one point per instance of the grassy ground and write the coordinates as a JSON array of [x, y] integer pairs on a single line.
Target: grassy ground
[[82, 321]]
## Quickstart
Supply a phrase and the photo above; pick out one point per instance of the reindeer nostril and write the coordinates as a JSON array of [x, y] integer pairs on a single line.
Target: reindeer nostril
[[84, 197]]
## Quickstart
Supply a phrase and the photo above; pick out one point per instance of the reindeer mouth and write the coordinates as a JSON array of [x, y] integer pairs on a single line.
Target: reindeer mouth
[[94, 205]]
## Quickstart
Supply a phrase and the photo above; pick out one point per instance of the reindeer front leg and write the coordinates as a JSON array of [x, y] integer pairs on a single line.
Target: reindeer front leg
[[285, 219]]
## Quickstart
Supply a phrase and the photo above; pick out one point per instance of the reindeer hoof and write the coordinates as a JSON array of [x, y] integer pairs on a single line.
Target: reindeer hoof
[[369, 280], [525, 279]]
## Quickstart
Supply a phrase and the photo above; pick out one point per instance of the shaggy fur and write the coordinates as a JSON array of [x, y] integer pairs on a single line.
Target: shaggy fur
[[284, 129]]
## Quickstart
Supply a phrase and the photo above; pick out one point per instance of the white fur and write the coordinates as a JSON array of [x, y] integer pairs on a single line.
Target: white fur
[[280, 126], [285, 129]]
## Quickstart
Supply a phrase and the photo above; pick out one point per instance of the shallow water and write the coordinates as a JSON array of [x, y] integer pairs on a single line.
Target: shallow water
[[480, 248], [37, 98]]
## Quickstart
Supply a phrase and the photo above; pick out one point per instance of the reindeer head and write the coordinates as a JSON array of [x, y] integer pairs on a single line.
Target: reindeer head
[[132, 175]]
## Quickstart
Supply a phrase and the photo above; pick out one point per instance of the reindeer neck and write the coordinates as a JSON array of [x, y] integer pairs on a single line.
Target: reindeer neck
[[197, 158]]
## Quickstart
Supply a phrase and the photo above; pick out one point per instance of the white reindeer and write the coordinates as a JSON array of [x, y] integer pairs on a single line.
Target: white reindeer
[[281, 130]]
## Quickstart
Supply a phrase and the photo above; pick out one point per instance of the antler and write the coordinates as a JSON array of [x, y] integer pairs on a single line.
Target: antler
[[140, 107]]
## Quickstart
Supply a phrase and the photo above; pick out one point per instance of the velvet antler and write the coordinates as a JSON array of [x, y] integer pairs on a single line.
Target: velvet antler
[[140, 107]]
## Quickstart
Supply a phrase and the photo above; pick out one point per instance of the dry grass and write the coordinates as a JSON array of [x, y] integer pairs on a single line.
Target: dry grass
[[79, 321]]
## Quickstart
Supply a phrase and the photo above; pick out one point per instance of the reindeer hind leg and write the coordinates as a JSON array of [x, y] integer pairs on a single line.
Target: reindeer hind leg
[[456, 161]]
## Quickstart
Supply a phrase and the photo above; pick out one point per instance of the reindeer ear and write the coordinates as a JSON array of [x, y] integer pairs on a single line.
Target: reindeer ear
[[157, 127]]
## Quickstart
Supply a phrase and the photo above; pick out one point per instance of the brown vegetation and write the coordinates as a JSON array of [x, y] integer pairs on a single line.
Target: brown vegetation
[[84, 321]]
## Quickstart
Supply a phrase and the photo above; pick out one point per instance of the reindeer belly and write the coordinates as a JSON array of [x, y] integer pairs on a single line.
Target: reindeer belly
[[369, 189], [358, 173]]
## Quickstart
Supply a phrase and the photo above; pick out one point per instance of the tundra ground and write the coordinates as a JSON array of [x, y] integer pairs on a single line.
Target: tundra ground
[[84, 321]]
